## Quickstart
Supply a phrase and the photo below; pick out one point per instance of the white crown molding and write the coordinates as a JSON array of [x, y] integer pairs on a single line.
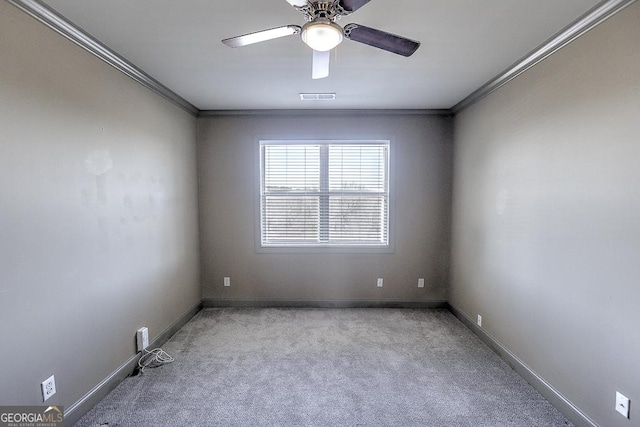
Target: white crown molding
[[58, 23], [324, 112], [600, 13]]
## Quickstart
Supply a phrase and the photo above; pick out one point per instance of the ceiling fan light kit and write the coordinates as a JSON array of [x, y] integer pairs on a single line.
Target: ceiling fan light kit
[[321, 32], [322, 35]]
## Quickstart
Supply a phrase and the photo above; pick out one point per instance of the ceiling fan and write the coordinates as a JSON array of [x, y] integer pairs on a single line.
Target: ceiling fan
[[321, 32]]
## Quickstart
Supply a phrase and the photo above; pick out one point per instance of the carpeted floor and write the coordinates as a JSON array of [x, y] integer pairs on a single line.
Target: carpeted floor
[[326, 367]]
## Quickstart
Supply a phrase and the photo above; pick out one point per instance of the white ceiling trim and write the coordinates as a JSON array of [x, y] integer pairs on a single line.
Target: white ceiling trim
[[589, 20], [58, 23]]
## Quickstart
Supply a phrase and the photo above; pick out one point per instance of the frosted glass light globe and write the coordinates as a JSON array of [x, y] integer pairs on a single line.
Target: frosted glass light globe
[[322, 36]]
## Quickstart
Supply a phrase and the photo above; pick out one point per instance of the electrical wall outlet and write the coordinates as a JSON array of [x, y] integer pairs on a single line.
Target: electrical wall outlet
[[479, 320], [227, 281], [421, 283], [142, 338], [48, 388], [380, 282], [622, 404]]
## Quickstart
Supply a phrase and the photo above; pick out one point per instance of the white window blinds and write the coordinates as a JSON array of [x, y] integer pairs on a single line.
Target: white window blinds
[[324, 193]]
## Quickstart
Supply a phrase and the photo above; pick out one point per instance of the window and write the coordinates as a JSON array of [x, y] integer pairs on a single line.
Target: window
[[324, 194]]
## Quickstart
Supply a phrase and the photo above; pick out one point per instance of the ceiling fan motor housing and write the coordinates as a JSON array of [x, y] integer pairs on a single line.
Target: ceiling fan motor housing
[[330, 10]]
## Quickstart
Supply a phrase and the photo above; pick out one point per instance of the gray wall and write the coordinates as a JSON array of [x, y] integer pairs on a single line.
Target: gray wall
[[98, 217], [546, 230], [228, 194]]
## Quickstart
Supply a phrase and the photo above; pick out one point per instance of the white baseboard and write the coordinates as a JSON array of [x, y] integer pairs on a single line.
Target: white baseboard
[[73, 413], [564, 405], [218, 302]]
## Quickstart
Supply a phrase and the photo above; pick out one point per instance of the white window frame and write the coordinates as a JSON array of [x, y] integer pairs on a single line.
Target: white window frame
[[321, 247]]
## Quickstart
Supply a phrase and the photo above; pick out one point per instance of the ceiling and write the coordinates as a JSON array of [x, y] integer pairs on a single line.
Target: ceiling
[[465, 43]]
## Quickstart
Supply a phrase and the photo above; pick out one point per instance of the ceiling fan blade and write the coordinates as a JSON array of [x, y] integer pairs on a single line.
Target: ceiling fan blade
[[298, 3], [320, 67], [380, 39], [261, 36], [352, 5]]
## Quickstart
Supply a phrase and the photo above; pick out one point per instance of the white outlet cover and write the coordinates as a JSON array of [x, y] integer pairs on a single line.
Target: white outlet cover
[[380, 282], [479, 320], [142, 338], [48, 388], [622, 404], [421, 283], [227, 281]]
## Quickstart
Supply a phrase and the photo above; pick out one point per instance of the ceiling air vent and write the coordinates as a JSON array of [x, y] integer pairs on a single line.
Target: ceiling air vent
[[317, 96]]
